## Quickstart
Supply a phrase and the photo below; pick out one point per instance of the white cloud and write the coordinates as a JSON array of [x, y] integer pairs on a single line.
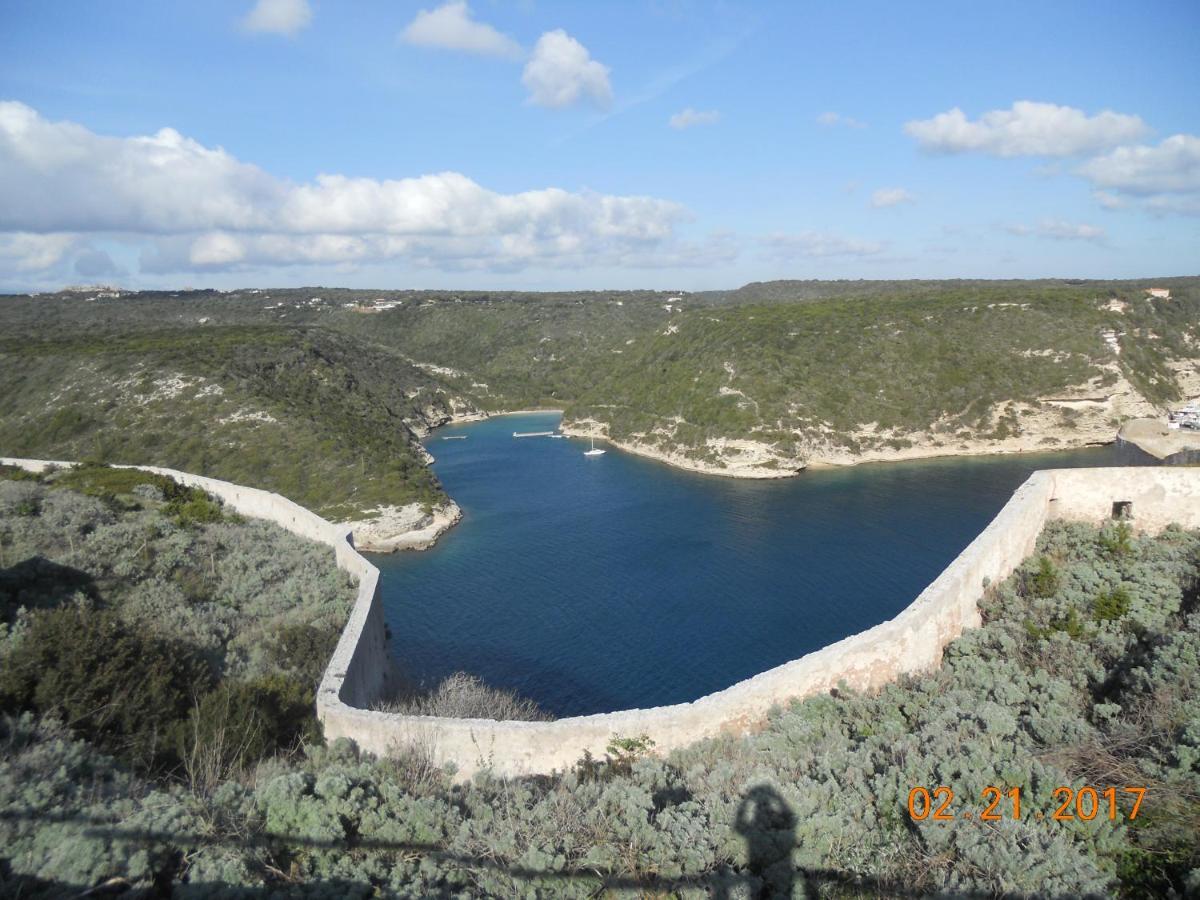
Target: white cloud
[[561, 72], [59, 176], [832, 120], [893, 196], [1027, 129], [817, 244], [1068, 231], [26, 252], [1171, 167], [198, 207], [689, 118], [286, 17], [451, 27], [1183, 204], [1059, 230], [1162, 179]]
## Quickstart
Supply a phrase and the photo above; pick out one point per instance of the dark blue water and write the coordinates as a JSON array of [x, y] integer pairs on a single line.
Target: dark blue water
[[594, 584]]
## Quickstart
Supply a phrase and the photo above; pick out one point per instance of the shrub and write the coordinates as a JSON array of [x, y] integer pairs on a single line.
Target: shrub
[[464, 696], [1112, 604], [240, 722], [303, 650], [119, 688], [1043, 582]]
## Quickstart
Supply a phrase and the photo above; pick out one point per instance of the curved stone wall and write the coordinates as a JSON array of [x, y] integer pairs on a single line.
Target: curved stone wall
[[913, 641]]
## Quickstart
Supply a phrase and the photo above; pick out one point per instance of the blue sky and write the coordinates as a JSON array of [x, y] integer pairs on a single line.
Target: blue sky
[[671, 144]]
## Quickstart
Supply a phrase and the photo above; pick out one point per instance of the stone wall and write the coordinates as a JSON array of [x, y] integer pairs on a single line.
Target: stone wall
[[912, 641]]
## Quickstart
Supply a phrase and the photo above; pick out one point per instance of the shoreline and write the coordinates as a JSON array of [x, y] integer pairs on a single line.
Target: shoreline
[[754, 464], [847, 459], [409, 527]]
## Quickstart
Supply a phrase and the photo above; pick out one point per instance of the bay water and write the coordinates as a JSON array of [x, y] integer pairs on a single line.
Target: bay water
[[593, 584]]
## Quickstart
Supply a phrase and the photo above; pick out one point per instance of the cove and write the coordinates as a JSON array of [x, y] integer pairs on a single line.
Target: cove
[[615, 582]]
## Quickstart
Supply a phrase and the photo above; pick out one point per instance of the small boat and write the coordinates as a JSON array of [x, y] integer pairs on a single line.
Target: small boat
[[454, 437], [593, 451]]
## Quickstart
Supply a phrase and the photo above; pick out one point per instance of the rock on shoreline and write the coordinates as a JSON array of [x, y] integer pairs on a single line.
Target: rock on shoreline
[[407, 527]]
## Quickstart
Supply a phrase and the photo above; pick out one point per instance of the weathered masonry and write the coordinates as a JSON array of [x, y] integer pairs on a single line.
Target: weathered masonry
[[357, 675]]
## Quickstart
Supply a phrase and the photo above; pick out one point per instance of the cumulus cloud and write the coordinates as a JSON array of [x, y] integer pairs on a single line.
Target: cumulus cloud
[[892, 196], [561, 73], [450, 27], [689, 118], [1162, 179], [200, 207], [25, 252], [1027, 129], [1059, 230], [1171, 167], [833, 120], [816, 244], [286, 17]]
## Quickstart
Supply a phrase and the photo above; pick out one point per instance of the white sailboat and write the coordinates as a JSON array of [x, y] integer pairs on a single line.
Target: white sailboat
[[593, 451]]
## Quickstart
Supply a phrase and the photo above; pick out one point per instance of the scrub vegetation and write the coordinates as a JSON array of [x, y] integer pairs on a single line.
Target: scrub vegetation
[[151, 622], [1086, 672], [321, 393], [315, 415], [797, 363]]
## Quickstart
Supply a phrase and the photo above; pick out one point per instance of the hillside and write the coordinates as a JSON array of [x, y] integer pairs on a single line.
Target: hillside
[[759, 381], [323, 418], [772, 377]]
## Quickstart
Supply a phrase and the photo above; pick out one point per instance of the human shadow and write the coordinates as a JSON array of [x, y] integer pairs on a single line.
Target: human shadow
[[769, 827]]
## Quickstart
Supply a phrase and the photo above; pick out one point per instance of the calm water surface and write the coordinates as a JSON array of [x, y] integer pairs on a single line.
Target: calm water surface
[[594, 584]]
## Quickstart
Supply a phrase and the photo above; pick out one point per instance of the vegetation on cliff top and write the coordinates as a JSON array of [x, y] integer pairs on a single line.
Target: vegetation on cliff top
[[320, 417], [812, 369], [321, 393], [1085, 673]]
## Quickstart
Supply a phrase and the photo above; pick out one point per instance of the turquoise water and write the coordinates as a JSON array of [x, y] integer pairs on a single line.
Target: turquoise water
[[594, 584]]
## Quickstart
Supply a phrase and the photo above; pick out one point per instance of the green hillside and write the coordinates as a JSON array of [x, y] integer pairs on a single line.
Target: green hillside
[[795, 362], [320, 393], [323, 418]]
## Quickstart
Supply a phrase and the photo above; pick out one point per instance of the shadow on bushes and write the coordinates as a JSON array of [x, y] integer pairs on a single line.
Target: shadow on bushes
[[38, 582], [765, 821]]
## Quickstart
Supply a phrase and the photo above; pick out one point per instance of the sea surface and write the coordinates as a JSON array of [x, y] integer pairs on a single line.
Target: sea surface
[[592, 584]]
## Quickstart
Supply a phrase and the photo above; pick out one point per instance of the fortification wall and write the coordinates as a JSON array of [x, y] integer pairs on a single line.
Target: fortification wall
[[912, 641]]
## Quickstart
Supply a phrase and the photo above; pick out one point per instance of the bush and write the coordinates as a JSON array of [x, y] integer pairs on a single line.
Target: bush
[[304, 650], [124, 691], [241, 722], [464, 696]]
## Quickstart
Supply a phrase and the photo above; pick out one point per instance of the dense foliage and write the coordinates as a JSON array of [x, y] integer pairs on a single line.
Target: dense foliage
[[329, 421], [802, 363], [320, 393], [465, 696], [1086, 672], [167, 632]]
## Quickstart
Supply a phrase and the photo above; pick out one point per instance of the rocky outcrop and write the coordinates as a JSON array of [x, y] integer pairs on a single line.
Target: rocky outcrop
[[1169, 446], [409, 527]]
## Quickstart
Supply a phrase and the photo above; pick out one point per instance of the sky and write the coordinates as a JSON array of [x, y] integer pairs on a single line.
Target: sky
[[528, 144]]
